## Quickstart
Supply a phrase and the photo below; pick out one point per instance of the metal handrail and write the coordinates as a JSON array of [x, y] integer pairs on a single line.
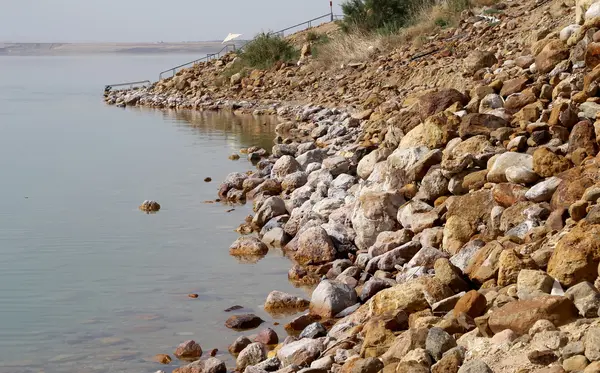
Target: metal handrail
[[130, 84], [309, 23], [225, 49], [208, 57]]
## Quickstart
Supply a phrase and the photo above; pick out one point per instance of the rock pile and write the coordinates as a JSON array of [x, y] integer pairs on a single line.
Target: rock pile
[[448, 229]]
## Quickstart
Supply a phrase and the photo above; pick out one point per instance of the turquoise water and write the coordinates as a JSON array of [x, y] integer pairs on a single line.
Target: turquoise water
[[88, 283]]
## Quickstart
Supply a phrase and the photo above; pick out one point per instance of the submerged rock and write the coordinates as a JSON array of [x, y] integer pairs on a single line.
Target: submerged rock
[[243, 322]]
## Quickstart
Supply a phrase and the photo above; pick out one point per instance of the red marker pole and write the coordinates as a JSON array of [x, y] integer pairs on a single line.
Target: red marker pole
[[331, 8]]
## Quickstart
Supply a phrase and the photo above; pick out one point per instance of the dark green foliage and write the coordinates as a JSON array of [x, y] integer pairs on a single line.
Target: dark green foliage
[[267, 49], [372, 15], [387, 16]]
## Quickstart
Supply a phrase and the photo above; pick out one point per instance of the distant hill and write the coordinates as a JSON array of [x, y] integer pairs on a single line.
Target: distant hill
[[54, 49]]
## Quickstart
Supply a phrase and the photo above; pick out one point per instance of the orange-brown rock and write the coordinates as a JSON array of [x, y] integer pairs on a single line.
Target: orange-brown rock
[[519, 316], [473, 304], [484, 264], [547, 163], [480, 124], [513, 86], [575, 182], [162, 359], [592, 55], [438, 101], [583, 137], [553, 52], [507, 194], [576, 256], [563, 114], [519, 100]]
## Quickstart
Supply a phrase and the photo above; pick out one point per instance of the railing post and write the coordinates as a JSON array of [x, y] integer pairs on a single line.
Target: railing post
[[331, 8]]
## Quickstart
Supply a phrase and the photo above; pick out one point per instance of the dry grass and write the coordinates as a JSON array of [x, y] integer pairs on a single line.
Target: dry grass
[[426, 20], [345, 48]]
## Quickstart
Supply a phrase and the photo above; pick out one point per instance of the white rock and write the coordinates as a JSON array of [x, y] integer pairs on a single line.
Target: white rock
[[566, 32], [330, 298], [593, 11], [544, 190], [497, 171]]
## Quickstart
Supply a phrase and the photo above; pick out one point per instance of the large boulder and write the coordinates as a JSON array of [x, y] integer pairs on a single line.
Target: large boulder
[[480, 124], [387, 241], [475, 151], [271, 208], [314, 247], [438, 101], [547, 163], [330, 298], [554, 52], [477, 60], [368, 162], [576, 256], [497, 172], [407, 341], [375, 212], [519, 316], [412, 296], [284, 166], [438, 342], [301, 353], [401, 166], [465, 215], [253, 354]]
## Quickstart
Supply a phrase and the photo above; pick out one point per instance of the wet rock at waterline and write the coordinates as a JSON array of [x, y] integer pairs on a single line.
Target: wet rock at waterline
[[149, 206], [243, 322], [188, 350]]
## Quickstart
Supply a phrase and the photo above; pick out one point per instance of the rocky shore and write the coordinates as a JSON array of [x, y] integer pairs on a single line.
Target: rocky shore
[[453, 229]]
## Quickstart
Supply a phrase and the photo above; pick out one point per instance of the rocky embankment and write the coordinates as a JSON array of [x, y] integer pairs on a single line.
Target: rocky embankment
[[445, 230]]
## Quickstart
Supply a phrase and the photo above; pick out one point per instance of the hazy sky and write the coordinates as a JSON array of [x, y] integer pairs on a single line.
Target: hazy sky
[[149, 20]]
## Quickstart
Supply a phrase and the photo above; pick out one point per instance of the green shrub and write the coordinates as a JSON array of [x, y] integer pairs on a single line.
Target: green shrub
[[267, 49], [441, 22], [385, 16]]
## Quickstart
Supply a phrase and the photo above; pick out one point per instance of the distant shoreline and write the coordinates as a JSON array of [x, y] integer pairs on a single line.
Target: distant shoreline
[[60, 49]]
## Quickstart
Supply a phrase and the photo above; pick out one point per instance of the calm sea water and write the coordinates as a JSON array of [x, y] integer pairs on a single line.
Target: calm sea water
[[88, 283]]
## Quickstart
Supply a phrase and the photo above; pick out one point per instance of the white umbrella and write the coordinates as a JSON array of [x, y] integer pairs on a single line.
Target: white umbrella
[[231, 37]]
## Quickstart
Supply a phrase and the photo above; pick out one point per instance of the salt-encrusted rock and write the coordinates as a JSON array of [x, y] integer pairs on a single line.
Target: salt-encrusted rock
[[253, 354], [302, 352], [280, 302], [314, 247], [375, 212], [330, 298]]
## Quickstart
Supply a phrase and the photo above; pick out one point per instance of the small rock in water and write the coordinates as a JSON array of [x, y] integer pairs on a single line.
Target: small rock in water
[[207, 179], [193, 296], [234, 157], [243, 322], [230, 210], [149, 206], [213, 352], [188, 350], [162, 359], [234, 308]]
